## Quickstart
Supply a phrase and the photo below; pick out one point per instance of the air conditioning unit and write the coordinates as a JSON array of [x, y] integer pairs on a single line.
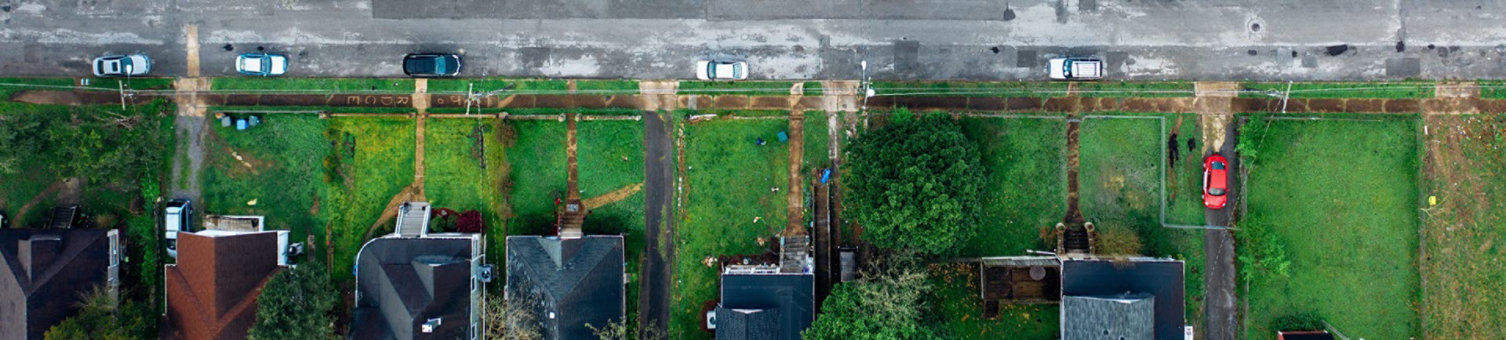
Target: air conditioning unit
[[429, 326], [485, 273]]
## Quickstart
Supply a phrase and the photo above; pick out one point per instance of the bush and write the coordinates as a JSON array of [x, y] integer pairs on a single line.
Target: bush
[[1117, 240], [296, 304], [1261, 252], [1302, 321]]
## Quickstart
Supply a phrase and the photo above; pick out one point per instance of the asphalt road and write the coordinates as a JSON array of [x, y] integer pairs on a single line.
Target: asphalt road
[[782, 39]]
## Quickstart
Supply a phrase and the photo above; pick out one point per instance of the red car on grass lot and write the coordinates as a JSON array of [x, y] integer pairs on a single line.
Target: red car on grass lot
[[1215, 181]]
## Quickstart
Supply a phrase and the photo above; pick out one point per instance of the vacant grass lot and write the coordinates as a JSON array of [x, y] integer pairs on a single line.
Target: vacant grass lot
[[1026, 188], [280, 167], [374, 163], [1465, 234], [729, 177], [955, 296], [324, 85], [1119, 172], [536, 174], [461, 161], [1344, 207], [1416, 89]]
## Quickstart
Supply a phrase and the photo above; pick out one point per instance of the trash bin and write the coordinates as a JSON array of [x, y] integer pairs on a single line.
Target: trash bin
[[240, 124], [783, 137]]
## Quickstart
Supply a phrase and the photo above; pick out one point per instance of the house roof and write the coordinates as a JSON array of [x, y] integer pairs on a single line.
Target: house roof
[[402, 282], [766, 306], [212, 290], [1128, 317], [1160, 278], [44, 273], [578, 281]]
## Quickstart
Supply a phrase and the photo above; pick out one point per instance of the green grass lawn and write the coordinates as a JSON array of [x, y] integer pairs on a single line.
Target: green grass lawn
[[308, 109], [1412, 89], [1343, 205], [1465, 234], [1119, 165], [375, 162], [1123, 89], [1492, 89], [610, 157], [817, 146], [728, 183], [328, 85], [525, 86], [286, 176], [955, 296], [1026, 189], [536, 174], [771, 88]]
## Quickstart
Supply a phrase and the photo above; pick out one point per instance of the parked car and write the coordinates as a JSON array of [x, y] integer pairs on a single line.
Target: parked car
[[261, 64], [431, 65], [721, 70], [1074, 68], [176, 217], [122, 65], [1215, 181]]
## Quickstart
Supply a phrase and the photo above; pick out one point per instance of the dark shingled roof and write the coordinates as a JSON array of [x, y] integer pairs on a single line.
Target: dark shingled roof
[[1162, 279], [212, 290], [43, 275], [579, 281], [401, 283], [787, 302], [1128, 317]]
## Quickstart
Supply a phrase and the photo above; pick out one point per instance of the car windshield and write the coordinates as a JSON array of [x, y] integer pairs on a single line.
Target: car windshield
[[737, 70], [1218, 166], [1216, 192]]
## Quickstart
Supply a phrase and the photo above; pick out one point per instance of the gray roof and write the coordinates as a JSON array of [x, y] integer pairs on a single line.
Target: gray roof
[[787, 302], [1160, 278], [44, 273], [578, 281], [1124, 317], [403, 282]]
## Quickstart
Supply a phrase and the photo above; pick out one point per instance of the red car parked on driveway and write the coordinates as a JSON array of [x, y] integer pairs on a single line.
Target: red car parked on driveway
[[1215, 181]]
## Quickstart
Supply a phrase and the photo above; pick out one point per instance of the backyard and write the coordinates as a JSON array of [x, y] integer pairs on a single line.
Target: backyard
[[730, 208], [1315, 187], [373, 161], [1026, 190], [955, 296], [274, 169]]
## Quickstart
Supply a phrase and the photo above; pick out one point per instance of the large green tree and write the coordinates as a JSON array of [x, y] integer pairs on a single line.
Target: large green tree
[[296, 304], [915, 184], [888, 307]]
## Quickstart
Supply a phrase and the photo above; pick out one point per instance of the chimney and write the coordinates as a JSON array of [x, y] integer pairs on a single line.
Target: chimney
[[38, 251]]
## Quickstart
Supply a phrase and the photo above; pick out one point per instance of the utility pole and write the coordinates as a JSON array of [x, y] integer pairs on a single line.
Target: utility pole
[[121, 85], [1286, 96]]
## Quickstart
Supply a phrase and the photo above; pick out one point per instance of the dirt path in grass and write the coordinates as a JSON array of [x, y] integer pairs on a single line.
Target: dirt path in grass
[[1214, 106], [50, 191], [660, 162], [794, 196], [612, 197]]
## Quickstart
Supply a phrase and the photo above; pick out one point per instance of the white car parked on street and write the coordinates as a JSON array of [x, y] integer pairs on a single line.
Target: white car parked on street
[[1074, 69], [721, 70], [261, 64], [130, 65]]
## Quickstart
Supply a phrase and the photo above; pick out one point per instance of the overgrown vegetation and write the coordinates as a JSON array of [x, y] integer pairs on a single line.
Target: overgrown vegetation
[[1342, 208], [101, 316], [889, 304], [296, 304], [915, 184], [314, 85]]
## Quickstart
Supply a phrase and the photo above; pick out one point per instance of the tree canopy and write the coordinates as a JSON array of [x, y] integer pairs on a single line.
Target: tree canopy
[[88, 142], [915, 184], [296, 304], [889, 307]]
